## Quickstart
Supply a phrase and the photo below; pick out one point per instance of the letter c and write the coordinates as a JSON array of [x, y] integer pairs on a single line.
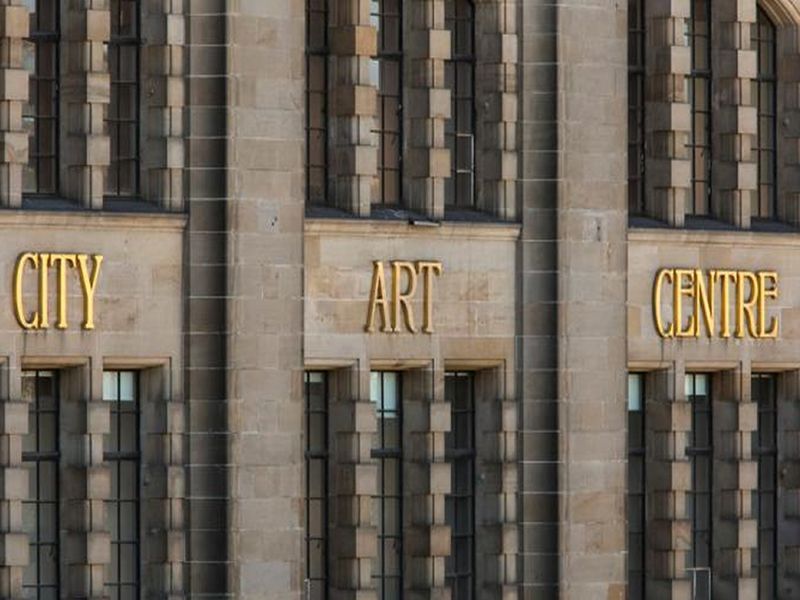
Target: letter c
[[31, 322], [664, 332]]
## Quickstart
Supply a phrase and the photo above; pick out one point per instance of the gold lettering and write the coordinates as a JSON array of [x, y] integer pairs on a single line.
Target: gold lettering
[[679, 291], [765, 293], [663, 331], [44, 276], [25, 322], [704, 301], [744, 309], [402, 302], [61, 261], [726, 278], [89, 286], [428, 269], [377, 296]]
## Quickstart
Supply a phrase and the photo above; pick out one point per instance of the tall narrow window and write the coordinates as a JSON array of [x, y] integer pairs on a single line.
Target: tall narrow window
[[637, 498], [699, 84], [765, 498], [316, 391], [698, 393], [317, 101], [766, 100], [123, 454], [387, 74], [387, 571], [123, 111], [40, 455], [460, 128], [40, 114], [460, 504], [636, 74]]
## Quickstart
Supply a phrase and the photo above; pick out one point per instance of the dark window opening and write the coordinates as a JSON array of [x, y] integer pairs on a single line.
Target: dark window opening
[[698, 393], [316, 456], [699, 85], [637, 489], [636, 124], [765, 98], [317, 102]]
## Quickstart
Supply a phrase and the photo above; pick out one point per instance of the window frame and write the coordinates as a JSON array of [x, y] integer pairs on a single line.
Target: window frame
[[699, 75], [637, 454], [636, 109], [765, 82], [317, 50]]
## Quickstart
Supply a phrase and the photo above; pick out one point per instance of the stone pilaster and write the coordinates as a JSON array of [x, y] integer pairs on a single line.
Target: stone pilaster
[[163, 495], [497, 99], [668, 484], [789, 480], [735, 119], [735, 479], [427, 483], [667, 111], [428, 107], [85, 485], [164, 28], [86, 93], [354, 162], [497, 440], [13, 490], [13, 94], [353, 485]]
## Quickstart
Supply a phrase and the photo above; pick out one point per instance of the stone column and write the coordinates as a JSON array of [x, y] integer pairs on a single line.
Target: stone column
[[13, 490], [735, 478], [354, 161], [13, 94], [735, 119], [497, 100], [86, 93], [85, 484], [353, 485], [667, 111], [428, 107], [426, 419], [669, 418], [164, 98]]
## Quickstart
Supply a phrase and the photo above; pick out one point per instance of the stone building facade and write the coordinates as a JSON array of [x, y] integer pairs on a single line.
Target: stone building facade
[[378, 299]]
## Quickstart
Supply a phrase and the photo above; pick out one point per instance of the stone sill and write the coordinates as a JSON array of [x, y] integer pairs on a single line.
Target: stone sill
[[756, 239], [91, 220], [402, 228]]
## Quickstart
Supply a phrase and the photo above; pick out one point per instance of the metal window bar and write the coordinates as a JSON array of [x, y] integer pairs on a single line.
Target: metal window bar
[[41, 114], [317, 484], [460, 451], [123, 119], [387, 69], [765, 97], [636, 107], [317, 154], [387, 571], [637, 477], [41, 453], [700, 88], [765, 498], [460, 128], [123, 453], [700, 453]]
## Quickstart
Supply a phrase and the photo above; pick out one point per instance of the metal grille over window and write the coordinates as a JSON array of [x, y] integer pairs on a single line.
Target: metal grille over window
[[765, 99], [765, 499], [316, 454], [699, 84], [40, 454], [387, 572], [460, 504], [636, 74], [637, 497], [123, 454], [41, 113], [387, 75], [698, 393], [460, 128], [123, 111]]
